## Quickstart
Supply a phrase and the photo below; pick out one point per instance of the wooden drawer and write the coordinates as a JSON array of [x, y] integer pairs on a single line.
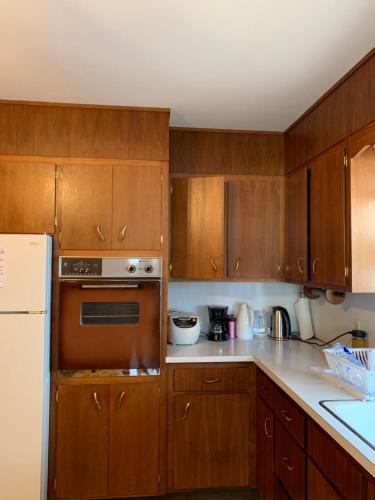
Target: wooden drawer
[[211, 378], [335, 463], [265, 388], [290, 416], [318, 486], [279, 491], [289, 464]]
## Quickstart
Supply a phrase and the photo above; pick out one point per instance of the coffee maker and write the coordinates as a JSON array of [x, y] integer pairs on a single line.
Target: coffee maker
[[218, 329]]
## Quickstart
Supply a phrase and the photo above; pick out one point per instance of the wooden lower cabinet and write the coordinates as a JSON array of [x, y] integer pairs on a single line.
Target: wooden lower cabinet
[[317, 485], [210, 441], [264, 457], [107, 440]]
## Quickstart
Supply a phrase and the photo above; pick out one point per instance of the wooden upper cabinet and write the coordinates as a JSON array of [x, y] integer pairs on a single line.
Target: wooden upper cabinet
[[82, 441], [327, 218], [255, 228], [296, 219], [137, 207], [133, 439], [197, 242], [85, 219], [27, 193]]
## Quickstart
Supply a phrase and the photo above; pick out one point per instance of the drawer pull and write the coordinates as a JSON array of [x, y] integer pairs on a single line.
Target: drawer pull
[[96, 400], [285, 461], [119, 401], [285, 416], [266, 431], [186, 411], [212, 380], [213, 264]]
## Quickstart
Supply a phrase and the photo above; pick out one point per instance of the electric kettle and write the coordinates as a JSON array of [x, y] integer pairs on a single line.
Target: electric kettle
[[280, 324]]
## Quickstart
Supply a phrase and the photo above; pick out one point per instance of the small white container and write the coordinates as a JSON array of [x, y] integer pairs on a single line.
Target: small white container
[[245, 322], [183, 328]]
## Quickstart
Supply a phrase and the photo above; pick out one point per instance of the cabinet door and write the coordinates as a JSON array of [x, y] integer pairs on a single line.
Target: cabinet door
[[318, 486], [264, 461], [197, 236], [133, 439], [137, 200], [255, 228], [82, 441], [27, 193], [211, 441], [296, 226], [86, 207], [327, 218]]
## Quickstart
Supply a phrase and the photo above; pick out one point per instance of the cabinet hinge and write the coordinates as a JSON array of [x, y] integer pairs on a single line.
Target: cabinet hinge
[[55, 484], [159, 478], [345, 159], [58, 175], [57, 398], [170, 268], [161, 178], [346, 272], [161, 239], [171, 189], [55, 220]]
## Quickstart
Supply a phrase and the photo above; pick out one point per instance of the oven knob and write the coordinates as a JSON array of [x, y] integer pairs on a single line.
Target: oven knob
[[81, 271], [132, 268], [149, 268]]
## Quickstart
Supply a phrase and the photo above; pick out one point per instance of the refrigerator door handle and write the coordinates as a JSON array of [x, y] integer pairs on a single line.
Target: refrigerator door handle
[[23, 312]]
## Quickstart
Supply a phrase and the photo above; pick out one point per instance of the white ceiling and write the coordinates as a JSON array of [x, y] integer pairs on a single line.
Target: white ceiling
[[237, 64]]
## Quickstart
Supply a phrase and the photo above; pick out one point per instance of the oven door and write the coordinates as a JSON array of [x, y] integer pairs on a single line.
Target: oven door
[[106, 324]]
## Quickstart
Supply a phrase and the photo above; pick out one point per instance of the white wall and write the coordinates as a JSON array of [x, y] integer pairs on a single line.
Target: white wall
[[328, 320], [195, 296]]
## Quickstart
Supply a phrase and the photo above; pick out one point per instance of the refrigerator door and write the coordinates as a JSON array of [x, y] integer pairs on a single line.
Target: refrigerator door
[[24, 403], [25, 263]]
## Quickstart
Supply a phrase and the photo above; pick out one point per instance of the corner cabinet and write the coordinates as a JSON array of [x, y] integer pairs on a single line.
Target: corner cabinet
[[104, 206], [107, 440]]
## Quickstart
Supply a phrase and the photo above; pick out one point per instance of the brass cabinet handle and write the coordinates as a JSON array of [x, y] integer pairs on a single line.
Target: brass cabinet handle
[[186, 411], [123, 233], [285, 416], [300, 268], [213, 265], [285, 461], [266, 431], [315, 261], [211, 380], [119, 401], [100, 234], [97, 402], [237, 266]]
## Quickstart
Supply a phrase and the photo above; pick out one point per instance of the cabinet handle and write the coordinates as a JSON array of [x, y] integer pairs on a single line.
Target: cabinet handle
[[97, 403], [123, 233], [285, 461], [237, 266], [315, 262], [268, 434], [186, 411], [119, 401], [100, 234], [211, 380], [285, 416], [213, 265], [300, 268]]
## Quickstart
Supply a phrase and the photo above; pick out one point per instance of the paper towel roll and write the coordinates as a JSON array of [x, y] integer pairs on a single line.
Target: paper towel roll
[[302, 309]]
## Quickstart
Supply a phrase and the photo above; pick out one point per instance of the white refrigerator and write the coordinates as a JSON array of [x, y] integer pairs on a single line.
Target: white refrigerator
[[25, 304]]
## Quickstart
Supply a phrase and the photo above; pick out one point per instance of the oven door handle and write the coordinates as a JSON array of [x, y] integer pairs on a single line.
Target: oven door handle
[[88, 287]]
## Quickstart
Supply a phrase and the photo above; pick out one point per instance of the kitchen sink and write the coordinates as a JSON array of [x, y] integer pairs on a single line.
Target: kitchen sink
[[358, 416]]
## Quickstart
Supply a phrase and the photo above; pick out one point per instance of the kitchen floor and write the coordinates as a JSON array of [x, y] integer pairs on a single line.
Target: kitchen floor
[[231, 494]]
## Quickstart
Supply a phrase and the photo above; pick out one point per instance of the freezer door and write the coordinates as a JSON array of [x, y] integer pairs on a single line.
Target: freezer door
[[25, 272], [24, 403]]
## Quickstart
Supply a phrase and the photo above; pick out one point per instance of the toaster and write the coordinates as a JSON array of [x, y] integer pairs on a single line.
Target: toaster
[[183, 327]]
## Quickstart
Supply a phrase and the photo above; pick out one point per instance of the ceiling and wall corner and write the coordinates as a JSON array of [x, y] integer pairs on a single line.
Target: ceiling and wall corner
[[218, 64]]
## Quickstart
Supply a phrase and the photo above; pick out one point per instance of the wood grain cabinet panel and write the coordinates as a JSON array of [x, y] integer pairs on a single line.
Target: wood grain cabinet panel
[[265, 389], [290, 416], [327, 218], [82, 441], [211, 379], [210, 441], [371, 490], [86, 132], [264, 457], [362, 95], [51, 131], [8, 129], [296, 220], [137, 208], [197, 243], [133, 439], [318, 486], [255, 228], [85, 219], [27, 193]]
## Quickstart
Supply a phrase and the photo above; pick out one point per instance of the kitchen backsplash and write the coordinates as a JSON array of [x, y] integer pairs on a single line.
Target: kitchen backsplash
[[328, 320]]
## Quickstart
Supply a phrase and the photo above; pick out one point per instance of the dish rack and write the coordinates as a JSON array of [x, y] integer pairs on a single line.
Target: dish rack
[[355, 372]]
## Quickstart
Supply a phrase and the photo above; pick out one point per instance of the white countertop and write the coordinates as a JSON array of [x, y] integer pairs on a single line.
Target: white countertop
[[288, 365]]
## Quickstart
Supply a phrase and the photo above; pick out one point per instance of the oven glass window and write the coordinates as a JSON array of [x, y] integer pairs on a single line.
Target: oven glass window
[[109, 313]]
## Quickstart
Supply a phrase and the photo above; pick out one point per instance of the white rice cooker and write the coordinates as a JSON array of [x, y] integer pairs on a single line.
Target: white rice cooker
[[183, 327]]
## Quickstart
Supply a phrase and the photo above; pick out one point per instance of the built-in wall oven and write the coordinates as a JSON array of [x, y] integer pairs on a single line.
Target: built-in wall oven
[[109, 315]]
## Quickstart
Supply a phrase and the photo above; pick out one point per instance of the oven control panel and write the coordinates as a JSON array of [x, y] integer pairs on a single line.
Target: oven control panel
[[109, 267]]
